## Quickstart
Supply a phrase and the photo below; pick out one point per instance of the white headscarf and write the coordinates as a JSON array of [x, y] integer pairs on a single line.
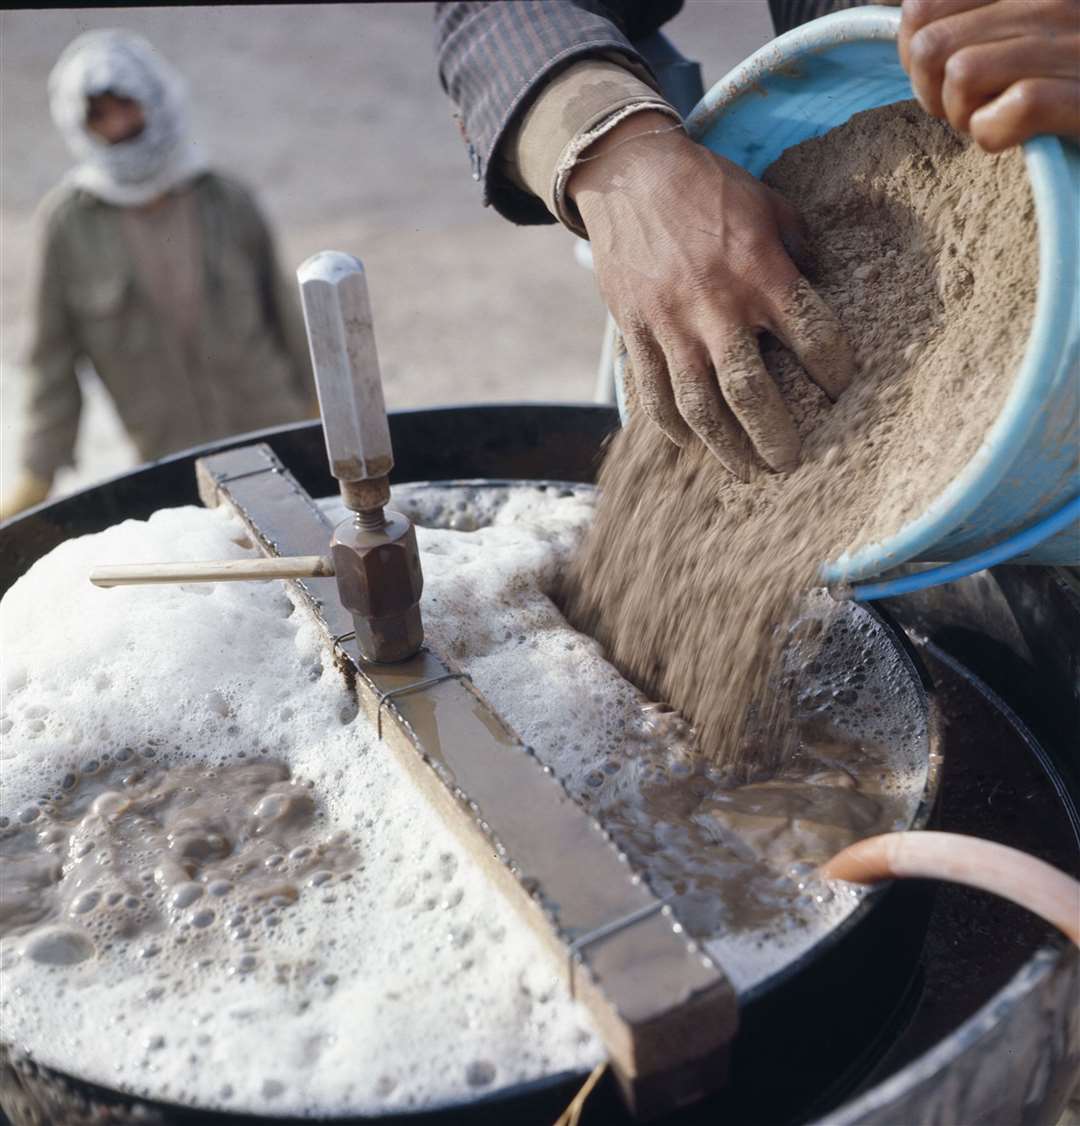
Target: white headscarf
[[162, 156]]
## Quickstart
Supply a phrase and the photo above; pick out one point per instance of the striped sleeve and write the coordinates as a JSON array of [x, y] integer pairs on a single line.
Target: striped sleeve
[[787, 14], [495, 56]]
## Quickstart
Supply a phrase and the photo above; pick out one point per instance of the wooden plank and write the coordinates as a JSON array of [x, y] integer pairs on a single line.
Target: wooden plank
[[665, 1011]]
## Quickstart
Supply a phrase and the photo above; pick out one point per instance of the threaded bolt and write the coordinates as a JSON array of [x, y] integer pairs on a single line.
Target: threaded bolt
[[371, 519]]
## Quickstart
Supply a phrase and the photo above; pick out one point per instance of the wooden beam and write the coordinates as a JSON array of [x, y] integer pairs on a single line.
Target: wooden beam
[[665, 1010]]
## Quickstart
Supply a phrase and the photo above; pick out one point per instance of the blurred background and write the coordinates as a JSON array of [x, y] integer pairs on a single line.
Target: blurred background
[[334, 115]]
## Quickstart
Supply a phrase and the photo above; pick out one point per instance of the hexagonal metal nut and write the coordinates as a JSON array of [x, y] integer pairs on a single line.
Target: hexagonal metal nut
[[394, 638], [380, 582]]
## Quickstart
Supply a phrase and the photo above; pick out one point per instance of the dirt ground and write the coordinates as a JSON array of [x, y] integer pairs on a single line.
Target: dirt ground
[[334, 114]]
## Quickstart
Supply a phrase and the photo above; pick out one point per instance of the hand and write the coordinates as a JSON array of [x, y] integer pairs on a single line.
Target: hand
[[692, 257], [27, 491], [1002, 70]]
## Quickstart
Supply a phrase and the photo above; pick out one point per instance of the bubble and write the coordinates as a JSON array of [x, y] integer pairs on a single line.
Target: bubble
[[57, 946], [480, 1073], [217, 704], [184, 895]]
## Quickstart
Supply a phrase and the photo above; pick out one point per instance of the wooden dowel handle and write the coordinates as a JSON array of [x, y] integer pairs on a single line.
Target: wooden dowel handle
[[218, 571], [1034, 884]]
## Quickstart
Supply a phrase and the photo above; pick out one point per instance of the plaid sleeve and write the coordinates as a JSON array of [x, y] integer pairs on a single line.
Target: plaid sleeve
[[787, 14], [495, 56]]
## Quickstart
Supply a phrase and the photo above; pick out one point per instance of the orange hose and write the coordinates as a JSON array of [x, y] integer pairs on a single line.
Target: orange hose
[[1042, 889]]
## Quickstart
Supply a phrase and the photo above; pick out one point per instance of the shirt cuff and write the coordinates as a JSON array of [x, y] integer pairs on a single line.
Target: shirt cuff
[[574, 110]]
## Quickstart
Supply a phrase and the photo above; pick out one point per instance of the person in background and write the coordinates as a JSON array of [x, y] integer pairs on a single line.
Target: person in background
[[694, 257], [158, 270]]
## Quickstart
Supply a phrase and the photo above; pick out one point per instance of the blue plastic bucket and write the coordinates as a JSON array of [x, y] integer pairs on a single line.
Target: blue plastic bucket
[[816, 77]]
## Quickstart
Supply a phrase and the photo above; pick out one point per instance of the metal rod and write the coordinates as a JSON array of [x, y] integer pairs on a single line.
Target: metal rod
[[216, 571]]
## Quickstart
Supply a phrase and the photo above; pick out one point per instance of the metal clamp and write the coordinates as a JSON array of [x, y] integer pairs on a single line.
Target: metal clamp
[[416, 686]]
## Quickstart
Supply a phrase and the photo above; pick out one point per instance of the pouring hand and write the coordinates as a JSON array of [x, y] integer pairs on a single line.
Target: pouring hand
[[1002, 70], [693, 256]]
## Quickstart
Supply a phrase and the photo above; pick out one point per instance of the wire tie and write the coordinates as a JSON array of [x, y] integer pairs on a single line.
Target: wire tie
[[219, 481], [606, 930], [416, 686]]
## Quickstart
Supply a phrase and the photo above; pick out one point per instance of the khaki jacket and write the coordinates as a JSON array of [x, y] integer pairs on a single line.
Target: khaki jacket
[[247, 367]]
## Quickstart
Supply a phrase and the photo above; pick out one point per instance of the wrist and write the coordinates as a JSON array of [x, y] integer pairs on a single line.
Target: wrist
[[596, 164]]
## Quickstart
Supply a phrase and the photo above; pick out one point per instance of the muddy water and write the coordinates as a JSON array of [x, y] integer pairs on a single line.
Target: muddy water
[[743, 857], [135, 853]]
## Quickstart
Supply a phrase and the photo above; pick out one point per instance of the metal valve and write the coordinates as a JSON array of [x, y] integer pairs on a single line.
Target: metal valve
[[375, 556]]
